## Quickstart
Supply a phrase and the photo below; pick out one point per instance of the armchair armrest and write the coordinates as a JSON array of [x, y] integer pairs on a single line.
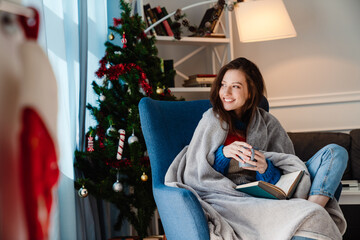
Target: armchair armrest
[[181, 213]]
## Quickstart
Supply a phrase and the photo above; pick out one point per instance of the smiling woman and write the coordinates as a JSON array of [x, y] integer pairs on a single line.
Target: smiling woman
[[234, 91], [234, 132]]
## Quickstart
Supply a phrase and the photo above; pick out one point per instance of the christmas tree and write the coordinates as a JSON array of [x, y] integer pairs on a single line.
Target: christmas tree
[[115, 166]]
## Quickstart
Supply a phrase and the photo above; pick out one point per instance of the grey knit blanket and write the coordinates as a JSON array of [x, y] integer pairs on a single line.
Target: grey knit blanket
[[235, 215]]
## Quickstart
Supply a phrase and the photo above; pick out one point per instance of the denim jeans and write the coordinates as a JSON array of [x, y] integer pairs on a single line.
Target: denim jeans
[[326, 169]]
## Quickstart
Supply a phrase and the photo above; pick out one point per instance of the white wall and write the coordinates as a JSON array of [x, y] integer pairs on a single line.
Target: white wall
[[313, 80]]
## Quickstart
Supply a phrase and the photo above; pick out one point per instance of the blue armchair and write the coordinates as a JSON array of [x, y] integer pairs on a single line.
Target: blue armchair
[[168, 127]]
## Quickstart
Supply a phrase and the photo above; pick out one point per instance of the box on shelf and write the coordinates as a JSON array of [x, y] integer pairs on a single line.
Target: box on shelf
[[200, 80]]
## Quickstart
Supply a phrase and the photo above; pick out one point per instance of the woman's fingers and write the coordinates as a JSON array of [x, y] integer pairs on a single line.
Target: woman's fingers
[[242, 144], [244, 153], [233, 152]]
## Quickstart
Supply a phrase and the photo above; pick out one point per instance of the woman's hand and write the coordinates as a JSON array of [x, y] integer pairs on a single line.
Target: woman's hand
[[241, 152], [259, 162]]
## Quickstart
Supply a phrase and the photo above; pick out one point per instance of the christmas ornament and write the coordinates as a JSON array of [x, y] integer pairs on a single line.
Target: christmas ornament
[[117, 186], [123, 40], [83, 192], [230, 7], [121, 144], [207, 24], [185, 22], [192, 29], [111, 36], [178, 14], [100, 136], [159, 90], [113, 73], [117, 21], [133, 138], [144, 177], [90, 147], [110, 130], [102, 98], [110, 85]]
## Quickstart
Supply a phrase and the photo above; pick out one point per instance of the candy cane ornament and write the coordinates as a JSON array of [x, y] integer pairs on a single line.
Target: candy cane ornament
[[121, 144]]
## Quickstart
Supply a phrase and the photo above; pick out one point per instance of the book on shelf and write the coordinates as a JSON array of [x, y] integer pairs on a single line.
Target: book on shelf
[[216, 25], [283, 189], [151, 14], [215, 35], [200, 80], [168, 69], [163, 30], [163, 9], [207, 17], [148, 21], [165, 23], [212, 16]]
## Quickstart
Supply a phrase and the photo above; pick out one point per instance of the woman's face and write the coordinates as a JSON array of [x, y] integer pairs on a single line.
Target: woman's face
[[234, 90]]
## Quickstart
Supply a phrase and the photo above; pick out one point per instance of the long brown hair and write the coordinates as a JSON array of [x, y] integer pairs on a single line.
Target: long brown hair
[[256, 88]]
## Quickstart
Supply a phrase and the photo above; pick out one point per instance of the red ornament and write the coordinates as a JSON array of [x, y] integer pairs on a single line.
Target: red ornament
[[117, 21], [101, 135], [118, 164], [123, 40]]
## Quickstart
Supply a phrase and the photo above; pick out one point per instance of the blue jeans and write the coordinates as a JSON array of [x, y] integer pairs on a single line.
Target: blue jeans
[[326, 169]]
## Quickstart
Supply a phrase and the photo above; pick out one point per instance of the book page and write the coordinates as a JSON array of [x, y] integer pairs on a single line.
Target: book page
[[286, 181]]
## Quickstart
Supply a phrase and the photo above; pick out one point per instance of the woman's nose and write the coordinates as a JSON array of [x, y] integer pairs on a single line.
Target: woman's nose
[[228, 90]]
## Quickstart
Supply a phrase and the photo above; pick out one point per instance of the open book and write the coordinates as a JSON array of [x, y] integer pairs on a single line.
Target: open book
[[283, 189]]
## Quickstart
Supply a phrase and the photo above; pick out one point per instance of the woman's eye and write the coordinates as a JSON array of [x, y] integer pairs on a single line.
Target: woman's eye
[[236, 86]]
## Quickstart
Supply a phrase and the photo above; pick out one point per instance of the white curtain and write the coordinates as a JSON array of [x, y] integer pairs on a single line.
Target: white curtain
[[74, 53]]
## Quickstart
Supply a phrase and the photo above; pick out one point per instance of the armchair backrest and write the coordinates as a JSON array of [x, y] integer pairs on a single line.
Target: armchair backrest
[[168, 127]]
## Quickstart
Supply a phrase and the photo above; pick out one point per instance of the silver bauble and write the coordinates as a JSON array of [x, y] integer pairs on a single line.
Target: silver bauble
[[132, 139], [117, 186], [110, 130]]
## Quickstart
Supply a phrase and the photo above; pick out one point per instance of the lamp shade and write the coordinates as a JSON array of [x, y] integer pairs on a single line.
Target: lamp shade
[[263, 20]]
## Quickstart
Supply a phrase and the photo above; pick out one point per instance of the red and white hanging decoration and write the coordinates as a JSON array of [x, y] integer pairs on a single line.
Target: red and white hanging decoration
[[90, 147], [121, 144], [123, 40]]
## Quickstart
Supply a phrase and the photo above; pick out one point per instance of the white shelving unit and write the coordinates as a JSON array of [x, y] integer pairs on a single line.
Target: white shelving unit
[[221, 49]]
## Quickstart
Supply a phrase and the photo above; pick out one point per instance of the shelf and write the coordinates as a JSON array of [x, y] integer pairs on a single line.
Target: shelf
[[192, 40], [190, 89]]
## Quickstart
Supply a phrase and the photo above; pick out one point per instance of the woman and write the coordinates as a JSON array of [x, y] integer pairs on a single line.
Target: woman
[[235, 96], [225, 137]]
